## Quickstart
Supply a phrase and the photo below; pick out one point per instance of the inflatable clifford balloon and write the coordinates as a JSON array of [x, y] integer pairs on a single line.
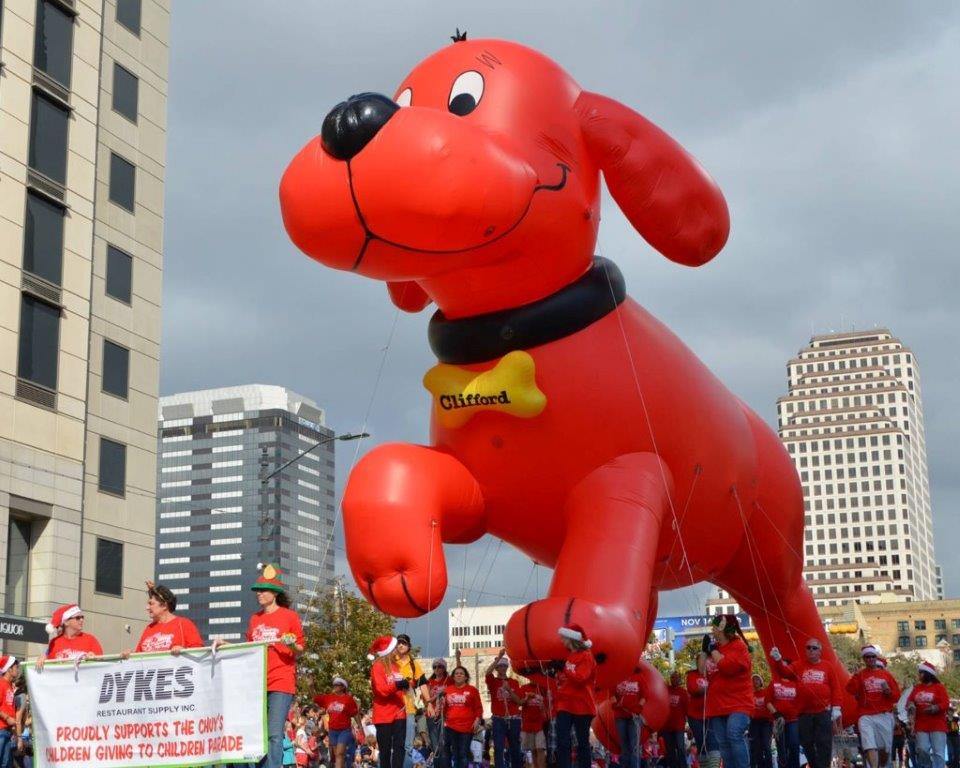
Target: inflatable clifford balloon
[[567, 420]]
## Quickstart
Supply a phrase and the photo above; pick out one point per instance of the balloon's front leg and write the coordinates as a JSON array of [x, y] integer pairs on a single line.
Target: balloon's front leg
[[401, 503]]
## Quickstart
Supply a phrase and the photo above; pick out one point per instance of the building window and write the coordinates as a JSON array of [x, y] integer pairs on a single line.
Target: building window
[[18, 566], [955, 623], [920, 624], [53, 41], [48, 138], [939, 639], [43, 239], [955, 640], [940, 624], [39, 342], [116, 369], [113, 466], [903, 642], [125, 87], [921, 641], [903, 626], [109, 576], [119, 274], [128, 14], [122, 181]]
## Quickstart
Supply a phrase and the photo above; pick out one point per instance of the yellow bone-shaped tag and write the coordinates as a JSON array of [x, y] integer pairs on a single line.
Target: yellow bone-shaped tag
[[509, 387]]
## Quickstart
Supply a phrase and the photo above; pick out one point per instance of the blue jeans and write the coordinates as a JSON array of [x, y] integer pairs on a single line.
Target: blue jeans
[[278, 706], [730, 733], [7, 743], [506, 730], [676, 747], [931, 743], [629, 746], [458, 747], [788, 749], [581, 726], [408, 740]]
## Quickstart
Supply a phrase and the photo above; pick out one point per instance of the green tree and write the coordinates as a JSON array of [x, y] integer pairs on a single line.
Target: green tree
[[337, 641], [686, 657]]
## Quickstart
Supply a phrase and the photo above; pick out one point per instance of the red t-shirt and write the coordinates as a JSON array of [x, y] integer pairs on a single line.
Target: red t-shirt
[[7, 703], [760, 711], [281, 660], [629, 692], [867, 688], [925, 695], [162, 637], [463, 708], [575, 684], [818, 684], [784, 696], [677, 718], [501, 704], [697, 690], [340, 708], [731, 689], [63, 647], [533, 711], [389, 703], [435, 685]]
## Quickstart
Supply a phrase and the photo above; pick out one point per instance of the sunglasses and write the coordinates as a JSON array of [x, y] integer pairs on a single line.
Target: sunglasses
[[813, 647]]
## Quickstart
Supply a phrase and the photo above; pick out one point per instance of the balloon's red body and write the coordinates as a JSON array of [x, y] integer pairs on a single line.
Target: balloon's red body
[[642, 472]]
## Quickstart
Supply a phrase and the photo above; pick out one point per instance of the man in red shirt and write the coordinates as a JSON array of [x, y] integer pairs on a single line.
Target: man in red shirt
[[761, 727], [675, 727], [876, 693], [820, 697], [782, 701], [628, 699], [9, 729], [505, 710]]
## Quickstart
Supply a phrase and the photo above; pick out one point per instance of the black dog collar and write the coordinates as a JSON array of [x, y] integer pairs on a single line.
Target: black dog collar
[[486, 337]]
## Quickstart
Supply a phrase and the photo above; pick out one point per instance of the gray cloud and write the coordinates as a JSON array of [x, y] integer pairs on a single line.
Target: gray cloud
[[831, 128]]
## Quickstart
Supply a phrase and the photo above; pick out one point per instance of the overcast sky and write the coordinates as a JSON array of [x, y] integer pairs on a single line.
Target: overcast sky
[[832, 129]]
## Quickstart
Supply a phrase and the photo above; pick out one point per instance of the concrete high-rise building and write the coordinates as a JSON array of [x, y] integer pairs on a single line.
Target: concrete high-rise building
[[852, 421], [216, 520], [83, 97]]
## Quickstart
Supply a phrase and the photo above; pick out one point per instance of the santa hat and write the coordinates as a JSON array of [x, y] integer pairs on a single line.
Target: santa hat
[[6, 662], [869, 650], [927, 667], [881, 662], [575, 632], [59, 618], [340, 681], [382, 646]]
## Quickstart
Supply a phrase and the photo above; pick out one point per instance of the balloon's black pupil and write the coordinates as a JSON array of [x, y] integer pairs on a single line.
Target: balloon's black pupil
[[463, 104]]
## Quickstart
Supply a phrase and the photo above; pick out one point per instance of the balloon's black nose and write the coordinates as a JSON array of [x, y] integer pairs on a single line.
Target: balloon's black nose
[[353, 123]]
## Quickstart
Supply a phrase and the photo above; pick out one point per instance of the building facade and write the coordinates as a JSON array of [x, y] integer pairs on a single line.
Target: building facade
[[478, 628], [83, 95], [216, 519]]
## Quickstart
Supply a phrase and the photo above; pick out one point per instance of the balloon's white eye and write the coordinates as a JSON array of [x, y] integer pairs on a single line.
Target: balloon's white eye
[[466, 93], [405, 97]]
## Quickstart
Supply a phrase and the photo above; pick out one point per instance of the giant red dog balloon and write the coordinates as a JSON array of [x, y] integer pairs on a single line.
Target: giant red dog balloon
[[566, 419]]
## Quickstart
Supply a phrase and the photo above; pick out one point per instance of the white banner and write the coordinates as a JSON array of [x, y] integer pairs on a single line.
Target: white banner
[[152, 709]]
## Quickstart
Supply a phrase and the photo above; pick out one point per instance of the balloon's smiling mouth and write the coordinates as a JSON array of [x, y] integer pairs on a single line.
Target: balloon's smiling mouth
[[371, 236]]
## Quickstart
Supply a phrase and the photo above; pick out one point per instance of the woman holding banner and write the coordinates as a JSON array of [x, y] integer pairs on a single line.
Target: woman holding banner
[[67, 638], [166, 631]]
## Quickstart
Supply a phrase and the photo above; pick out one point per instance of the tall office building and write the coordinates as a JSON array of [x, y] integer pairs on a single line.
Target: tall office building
[[853, 423], [83, 94], [217, 520]]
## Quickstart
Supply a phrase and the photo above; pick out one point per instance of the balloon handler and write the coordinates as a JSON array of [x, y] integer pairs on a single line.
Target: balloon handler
[[617, 459]]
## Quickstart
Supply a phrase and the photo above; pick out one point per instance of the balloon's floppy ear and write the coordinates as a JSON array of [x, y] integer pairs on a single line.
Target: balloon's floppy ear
[[662, 190], [408, 296]]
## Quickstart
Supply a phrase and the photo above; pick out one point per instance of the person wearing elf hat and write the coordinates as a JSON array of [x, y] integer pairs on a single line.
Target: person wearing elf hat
[[576, 704], [730, 702], [9, 727], [876, 693], [67, 638], [275, 623], [389, 687], [929, 701], [340, 707]]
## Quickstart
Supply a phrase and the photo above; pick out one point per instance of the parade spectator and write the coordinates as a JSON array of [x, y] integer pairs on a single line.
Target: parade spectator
[[166, 631], [289, 744], [23, 755], [953, 741], [820, 696], [783, 704], [876, 693], [389, 703], [505, 711], [727, 667], [410, 668], [9, 727], [462, 716], [533, 716], [67, 638], [436, 685], [697, 693], [673, 730], [929, 702], [302, 752], [341, 709], [576, 704], [899, 743], [628, 699], [761, 727]]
